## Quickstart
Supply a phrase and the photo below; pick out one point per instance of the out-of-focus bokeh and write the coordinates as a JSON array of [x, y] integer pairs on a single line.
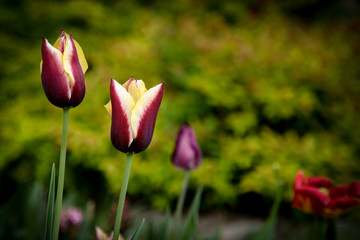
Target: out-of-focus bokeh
[[261, 83]]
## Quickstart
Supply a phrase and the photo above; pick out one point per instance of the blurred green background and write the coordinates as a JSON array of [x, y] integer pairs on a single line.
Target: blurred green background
[[261, 83]]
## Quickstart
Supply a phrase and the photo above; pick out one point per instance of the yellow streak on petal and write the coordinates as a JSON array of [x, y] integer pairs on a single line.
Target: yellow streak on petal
[[68, 51], [41, 63], [141, 86], [140, 107], [134, 91], [108, 108], [100, 234], [57, 43], [126, 84]]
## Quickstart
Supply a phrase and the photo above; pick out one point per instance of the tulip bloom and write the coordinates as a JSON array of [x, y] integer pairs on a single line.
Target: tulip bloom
[[187, 154], [133, 110], [62, 71], [318, 196]]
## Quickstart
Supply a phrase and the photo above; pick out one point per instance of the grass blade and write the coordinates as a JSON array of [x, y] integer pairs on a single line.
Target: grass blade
[[191, 220], [138, 230], [50, 206]]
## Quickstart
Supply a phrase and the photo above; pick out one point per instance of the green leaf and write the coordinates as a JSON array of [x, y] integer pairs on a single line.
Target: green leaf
[[138, 230], [192, 218], [50, 206], [163, 230], [268, 230]]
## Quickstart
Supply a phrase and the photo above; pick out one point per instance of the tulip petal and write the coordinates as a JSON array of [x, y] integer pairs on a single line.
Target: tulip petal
[[100, 234], [82, 59], [122, 105], [60, 42], [338, 191], [310, 200], [55, 80], [354, 190], [108, 108], [143, 117], [300, 180], [319, 182], [73, 68]]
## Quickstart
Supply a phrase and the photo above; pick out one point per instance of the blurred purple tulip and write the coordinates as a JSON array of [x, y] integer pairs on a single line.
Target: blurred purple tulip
[[62, 71], [187, 154]]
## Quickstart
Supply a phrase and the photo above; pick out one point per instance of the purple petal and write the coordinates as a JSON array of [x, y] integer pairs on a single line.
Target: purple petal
[[121, 135], [55, 80], [73, 67], [145, 114]]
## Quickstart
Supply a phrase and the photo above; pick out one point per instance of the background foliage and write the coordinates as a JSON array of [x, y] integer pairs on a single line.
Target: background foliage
[[261, 82]]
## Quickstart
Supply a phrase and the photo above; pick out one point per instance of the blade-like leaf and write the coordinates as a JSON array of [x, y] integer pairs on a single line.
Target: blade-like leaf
[[138, 230], [191, 221], [50, 206], [163, 230]]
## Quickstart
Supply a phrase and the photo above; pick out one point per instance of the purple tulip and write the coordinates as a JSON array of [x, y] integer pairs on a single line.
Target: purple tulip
[[62, 71], [187, 154], [133, 111]]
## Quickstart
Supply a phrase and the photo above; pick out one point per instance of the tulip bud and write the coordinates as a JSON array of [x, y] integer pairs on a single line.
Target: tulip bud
[[187, 154], [62, 71], [133, 111]]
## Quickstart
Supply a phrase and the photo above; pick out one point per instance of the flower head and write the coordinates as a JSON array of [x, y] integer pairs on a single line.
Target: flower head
[[187, 153], [70, 218], [133, 110], [62, 71], [318, 196]]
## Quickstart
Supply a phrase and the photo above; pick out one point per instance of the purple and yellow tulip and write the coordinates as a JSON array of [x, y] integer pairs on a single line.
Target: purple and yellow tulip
[[133, 110], [62, 71]]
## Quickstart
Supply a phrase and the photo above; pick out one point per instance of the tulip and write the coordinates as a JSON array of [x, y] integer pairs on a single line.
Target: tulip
[[318, 196], [62, 71], [187, 154], [133, 111], [62, 74]]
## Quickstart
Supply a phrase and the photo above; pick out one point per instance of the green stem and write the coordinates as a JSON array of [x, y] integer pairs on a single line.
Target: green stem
[[123, 190], [180, 203], [60, 188]]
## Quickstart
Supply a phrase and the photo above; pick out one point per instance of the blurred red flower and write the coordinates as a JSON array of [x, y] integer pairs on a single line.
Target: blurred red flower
[[318, 196]]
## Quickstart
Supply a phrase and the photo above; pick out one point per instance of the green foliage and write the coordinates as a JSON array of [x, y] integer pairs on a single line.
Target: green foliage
[[169, 228], [257, 89]]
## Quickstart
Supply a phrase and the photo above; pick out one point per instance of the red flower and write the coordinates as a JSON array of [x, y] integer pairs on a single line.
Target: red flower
[[318, 196]]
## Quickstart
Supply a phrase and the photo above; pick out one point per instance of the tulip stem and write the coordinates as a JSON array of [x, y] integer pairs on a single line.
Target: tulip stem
[[123, 190], [60, 188], [180, 203]]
